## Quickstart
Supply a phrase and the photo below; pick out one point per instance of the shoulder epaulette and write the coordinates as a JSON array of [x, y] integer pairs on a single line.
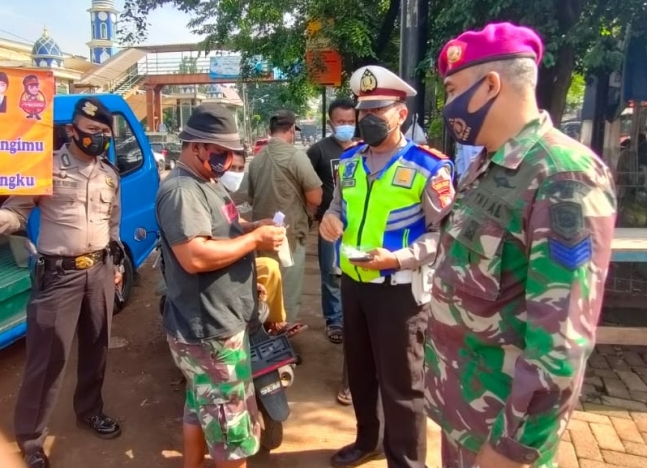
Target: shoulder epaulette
[[434, 152]]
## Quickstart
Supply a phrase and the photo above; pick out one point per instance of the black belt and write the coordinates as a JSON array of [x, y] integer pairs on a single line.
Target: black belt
[[82, 262]]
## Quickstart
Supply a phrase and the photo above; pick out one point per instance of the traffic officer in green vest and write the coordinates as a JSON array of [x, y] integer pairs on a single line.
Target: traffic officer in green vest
[[385, 216]]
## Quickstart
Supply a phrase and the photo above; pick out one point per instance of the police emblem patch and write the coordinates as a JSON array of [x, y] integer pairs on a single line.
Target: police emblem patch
[[349, 170], [368, 83], [90, 109], [404, 177], [110, 182]]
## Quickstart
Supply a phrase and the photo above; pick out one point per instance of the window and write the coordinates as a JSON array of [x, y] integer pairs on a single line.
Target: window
[[128, 153], [104, 30], [60, 137]]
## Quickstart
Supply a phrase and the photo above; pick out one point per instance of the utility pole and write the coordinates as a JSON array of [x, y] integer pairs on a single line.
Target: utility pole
[[413, 43]]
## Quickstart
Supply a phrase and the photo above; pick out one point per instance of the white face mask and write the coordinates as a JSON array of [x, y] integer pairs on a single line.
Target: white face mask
[[232, 180]]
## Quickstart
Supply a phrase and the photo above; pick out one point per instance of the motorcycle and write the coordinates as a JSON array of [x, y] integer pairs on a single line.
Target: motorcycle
[[273, 361]]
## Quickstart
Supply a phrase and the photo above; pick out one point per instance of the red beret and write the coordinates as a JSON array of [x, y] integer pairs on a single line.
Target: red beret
[[497, 41]]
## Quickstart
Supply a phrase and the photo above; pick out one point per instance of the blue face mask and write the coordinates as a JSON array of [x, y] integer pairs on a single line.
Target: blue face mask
[[345, 133]]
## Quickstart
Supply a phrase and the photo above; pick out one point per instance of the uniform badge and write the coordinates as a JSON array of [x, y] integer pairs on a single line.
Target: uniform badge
[[65, 161], [110, 182], [368, 83], [455, 54], [442, 188], [90, 109], [566, 219], [62, 174], [404, 177], [349, 170]]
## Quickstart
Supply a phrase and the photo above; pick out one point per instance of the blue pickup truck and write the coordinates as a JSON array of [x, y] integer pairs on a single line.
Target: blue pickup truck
[[132, 154]]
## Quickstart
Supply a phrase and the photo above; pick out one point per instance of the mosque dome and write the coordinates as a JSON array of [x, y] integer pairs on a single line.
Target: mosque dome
[[46, 52]]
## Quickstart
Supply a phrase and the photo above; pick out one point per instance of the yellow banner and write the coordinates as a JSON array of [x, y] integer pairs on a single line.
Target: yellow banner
[[26, 131]]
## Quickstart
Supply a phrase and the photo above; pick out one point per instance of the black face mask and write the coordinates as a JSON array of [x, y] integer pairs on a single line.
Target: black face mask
[[92, 144], [373, 130]]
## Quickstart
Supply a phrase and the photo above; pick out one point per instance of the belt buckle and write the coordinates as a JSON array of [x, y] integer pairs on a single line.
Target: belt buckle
[[84, 262]]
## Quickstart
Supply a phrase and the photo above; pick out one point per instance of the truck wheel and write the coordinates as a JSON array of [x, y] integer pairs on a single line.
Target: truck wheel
[[272, 432], [126, 284], [161, 166]]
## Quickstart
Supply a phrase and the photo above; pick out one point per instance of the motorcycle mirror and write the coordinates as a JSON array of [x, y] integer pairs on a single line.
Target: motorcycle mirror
[[140, 234]]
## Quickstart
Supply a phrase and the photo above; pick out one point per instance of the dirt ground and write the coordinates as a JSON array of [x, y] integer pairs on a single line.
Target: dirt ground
[[142, 392]]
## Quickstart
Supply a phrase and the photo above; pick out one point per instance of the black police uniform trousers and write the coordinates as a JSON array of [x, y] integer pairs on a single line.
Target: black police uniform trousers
[[66, 300], [384, 334]]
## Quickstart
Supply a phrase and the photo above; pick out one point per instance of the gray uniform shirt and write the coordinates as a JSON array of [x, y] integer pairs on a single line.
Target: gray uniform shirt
[[83, 213], [210, 305], [435, 206]]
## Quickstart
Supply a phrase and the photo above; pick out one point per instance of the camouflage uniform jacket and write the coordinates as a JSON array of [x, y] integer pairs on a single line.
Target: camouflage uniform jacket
[[517, 294]]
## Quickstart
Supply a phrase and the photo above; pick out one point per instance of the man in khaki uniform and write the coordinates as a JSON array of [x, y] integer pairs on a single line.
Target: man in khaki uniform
[[73, 281], [281, 178]]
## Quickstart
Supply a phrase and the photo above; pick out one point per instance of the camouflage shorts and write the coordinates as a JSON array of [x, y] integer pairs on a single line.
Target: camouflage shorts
[[220, 394]]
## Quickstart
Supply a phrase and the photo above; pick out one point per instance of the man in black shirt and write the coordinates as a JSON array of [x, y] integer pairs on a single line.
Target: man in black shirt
[[324, 156]]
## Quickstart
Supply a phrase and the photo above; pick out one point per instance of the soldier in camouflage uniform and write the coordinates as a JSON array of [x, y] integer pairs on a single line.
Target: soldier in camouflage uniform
[[521, 266]]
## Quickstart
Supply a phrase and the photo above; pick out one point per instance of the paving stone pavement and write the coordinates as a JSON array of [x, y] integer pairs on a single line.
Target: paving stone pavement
[[609, 428]]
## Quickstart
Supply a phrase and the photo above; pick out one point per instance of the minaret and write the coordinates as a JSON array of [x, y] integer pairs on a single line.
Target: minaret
[[104, 30]]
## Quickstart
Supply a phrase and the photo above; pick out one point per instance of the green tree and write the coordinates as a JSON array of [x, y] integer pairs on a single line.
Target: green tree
[[263, 99], [580, 35], [364, 31]]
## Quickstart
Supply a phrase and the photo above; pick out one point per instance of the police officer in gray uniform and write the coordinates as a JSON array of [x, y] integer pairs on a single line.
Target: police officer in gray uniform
[[74, 277]]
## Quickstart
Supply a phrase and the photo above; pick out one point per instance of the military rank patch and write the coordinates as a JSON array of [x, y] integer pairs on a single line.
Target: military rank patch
[[404, 177], [570, 256]]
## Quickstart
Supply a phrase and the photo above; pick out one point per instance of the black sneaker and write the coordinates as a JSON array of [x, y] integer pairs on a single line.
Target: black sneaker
[[36, 460], [101, 425]]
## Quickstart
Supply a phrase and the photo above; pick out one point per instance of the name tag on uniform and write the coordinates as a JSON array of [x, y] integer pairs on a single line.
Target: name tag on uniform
[[345, 183]]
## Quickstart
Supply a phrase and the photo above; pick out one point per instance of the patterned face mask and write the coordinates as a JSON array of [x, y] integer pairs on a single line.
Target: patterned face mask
[[463, 124], [92, 144]]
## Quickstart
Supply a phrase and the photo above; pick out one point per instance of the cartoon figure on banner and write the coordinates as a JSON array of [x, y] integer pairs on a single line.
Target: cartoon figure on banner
[[4, 84], [32, 100]]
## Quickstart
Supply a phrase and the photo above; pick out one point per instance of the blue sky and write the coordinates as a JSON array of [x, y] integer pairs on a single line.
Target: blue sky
[[71, 29]]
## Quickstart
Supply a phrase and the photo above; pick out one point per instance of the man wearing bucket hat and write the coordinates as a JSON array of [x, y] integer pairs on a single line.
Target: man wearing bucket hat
[[521, 266], [211, 290], [387, 206]]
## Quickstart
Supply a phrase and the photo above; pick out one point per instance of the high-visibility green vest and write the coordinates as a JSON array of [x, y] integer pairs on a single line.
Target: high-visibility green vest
[[387, 212]]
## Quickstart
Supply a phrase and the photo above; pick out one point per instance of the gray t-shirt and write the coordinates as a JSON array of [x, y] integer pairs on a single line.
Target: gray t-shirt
[[210, 305]]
